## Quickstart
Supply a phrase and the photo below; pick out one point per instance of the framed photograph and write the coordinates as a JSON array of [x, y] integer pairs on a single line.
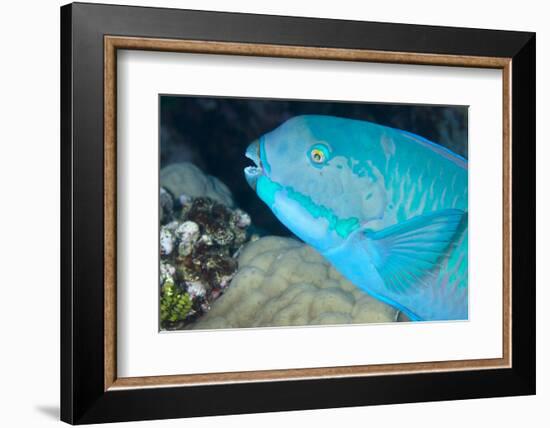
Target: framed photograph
[[291, 213]]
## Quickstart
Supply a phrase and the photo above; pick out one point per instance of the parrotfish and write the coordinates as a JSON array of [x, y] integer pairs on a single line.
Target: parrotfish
[[387, 208]]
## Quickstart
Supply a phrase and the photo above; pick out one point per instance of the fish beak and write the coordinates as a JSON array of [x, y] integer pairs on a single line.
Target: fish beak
[[252, 173]]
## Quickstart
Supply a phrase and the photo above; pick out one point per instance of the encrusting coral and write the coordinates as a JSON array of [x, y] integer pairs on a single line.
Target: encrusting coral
[[175, 303], [282, 282], [198, 261]]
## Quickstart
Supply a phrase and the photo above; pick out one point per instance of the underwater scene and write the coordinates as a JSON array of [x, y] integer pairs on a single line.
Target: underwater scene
[[294, 213]]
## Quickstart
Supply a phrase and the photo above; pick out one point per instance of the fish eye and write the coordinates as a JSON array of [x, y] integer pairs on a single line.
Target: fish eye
[[319, 154]]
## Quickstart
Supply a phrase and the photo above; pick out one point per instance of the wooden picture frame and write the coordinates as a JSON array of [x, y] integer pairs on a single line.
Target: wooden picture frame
[[91, 390]]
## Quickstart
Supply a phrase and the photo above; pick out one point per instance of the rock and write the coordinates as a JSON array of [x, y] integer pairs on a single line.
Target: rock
[[241, 219], [167, 238], [188, 180], [196, 289], [187, 233], [198, 258], [282, 282], [167, 272]]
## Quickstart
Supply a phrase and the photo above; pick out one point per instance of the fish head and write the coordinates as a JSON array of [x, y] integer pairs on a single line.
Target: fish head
[[315, 174]]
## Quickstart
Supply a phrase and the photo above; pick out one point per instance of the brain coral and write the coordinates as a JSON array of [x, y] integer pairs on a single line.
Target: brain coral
[[282, 282], [186, 179]]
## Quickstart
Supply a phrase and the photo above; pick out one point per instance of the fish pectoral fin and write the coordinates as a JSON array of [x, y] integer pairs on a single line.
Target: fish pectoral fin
[[406, 253]]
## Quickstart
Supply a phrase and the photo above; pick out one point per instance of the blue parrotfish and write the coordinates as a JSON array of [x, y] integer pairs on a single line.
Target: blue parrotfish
[[387, 208]]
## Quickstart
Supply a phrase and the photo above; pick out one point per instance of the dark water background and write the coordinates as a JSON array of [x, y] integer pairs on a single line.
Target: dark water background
[[213, 133]]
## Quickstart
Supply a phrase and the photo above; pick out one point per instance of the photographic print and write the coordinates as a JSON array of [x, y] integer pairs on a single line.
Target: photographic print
[[294, 213]]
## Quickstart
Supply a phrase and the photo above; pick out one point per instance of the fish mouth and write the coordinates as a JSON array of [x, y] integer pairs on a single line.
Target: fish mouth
[[252, 173]]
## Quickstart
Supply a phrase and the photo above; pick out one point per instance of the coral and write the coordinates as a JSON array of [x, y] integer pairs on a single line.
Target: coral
[[167, 272], [241, 219], [175, 304], [166, 206], [186, 179], [198, 257], [187, 234], [167, 238], [282, 282]]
